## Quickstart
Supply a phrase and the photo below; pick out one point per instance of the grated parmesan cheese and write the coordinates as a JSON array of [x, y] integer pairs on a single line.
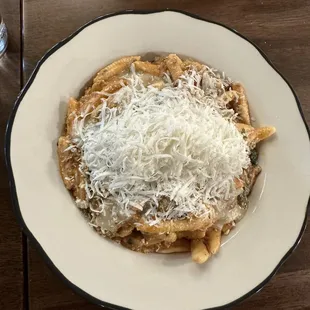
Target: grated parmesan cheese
[[178, 142]]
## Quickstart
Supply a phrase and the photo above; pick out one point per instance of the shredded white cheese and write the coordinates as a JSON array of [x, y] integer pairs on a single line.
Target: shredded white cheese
[[178, 142]]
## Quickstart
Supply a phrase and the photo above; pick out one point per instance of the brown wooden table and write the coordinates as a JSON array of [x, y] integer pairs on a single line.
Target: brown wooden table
[[280, 27]]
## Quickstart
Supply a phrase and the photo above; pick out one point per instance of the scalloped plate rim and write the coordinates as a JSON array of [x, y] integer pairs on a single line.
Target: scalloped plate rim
[[14, 198]]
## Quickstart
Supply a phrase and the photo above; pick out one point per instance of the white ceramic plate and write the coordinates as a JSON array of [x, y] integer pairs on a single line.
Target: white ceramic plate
[[106, 273]]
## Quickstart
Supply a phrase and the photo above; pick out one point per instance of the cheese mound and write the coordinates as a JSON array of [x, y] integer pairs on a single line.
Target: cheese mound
[[178, 142]]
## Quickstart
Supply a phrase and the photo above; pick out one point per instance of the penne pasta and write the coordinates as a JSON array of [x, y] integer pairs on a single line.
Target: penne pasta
[[149, 68], [242, 106], [200, 253], [179, 246], [176, 225], [73, 112], [251, 176], [213, 240], [260, 134], [191, 64], [66, 164], [174, 65], [151, 239], [79, 185], [69, 169], [255, 135], [116, 68], [192, 234]]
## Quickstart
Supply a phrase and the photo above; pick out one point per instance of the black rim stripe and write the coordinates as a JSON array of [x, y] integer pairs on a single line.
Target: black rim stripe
[[7, 147]]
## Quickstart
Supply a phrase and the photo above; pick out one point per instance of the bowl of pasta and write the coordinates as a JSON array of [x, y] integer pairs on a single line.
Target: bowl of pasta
[[145, 169]]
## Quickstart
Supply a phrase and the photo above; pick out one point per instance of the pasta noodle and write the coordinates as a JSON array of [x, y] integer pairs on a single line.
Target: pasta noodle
[[141, 170]]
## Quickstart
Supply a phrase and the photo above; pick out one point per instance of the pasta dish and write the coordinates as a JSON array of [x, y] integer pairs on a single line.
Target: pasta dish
[[161, 156]]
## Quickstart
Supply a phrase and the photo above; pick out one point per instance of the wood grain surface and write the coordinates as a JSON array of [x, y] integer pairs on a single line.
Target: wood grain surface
[[11, 246], [280, 27]]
